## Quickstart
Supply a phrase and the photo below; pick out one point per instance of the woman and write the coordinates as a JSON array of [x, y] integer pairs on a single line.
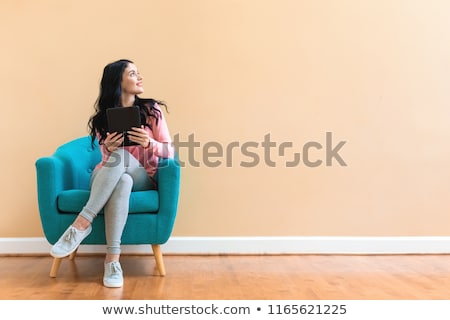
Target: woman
[[123, 168]]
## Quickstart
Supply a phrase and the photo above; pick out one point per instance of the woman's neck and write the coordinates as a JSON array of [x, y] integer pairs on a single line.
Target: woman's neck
[[127, 100]]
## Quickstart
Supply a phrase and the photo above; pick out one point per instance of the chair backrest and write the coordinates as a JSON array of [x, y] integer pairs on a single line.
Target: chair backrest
[[81, 157]]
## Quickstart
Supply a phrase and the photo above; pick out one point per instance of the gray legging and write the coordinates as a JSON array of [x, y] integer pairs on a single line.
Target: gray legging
[[111, 186]]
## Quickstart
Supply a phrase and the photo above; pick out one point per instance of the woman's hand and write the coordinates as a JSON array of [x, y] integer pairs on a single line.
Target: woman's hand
[[139, 135], [113, 141]]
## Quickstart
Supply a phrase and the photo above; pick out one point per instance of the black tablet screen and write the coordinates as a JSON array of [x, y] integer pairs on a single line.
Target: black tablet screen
[[122, 119]]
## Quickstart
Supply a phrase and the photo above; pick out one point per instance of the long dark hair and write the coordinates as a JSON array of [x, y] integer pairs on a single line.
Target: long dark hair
[[110, 97]]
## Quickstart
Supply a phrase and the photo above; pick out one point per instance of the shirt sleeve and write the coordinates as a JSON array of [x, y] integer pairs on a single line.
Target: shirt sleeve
[[163, 147]]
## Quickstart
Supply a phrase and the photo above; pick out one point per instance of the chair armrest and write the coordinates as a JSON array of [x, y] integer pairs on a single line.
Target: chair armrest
[[169, 189], [50, 173]]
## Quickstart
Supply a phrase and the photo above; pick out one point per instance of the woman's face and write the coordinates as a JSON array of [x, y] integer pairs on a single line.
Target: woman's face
[[132, 81]]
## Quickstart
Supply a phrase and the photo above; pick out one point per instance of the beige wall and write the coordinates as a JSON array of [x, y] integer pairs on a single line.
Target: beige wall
[[374, 73]]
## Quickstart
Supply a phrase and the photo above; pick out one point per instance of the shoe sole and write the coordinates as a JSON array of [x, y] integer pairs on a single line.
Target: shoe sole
[[63, 256], [118, 285]]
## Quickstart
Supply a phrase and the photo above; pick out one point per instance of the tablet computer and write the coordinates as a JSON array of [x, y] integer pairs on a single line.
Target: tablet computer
[[122, 119]]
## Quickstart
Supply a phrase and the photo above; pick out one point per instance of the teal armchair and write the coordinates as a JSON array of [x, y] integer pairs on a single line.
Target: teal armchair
[[63, 189]]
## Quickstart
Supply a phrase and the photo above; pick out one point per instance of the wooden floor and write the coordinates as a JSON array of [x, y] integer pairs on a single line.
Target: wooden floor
[[223, 277]]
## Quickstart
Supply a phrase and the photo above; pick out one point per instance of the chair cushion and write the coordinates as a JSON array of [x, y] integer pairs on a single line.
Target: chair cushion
[[73, 201]]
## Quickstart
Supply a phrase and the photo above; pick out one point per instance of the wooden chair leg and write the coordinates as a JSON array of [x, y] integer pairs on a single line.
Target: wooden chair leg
[[57, 262], [55, 266], [159, 259], [73, 254]]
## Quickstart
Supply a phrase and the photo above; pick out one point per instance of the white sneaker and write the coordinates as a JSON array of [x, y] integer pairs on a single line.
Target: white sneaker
[[69, 241], [113, 277]]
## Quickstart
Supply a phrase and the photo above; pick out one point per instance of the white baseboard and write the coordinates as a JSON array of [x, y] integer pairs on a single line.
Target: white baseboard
[[256, 245]]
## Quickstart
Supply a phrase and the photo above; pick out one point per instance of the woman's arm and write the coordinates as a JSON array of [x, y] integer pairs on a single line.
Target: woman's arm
[[158, 140], [162, 144]]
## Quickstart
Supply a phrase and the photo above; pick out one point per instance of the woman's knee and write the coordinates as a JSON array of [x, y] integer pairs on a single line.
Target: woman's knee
[[126, 179]]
